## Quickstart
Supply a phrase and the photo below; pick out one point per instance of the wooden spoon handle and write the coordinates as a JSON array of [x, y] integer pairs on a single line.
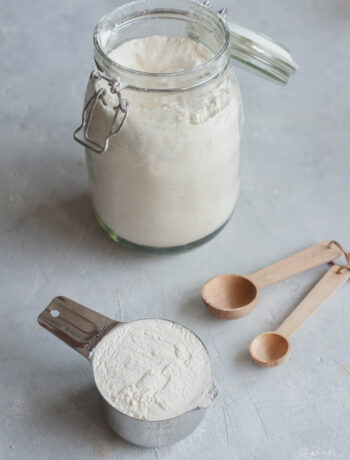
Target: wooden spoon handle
[[311, 257], [328, 285]]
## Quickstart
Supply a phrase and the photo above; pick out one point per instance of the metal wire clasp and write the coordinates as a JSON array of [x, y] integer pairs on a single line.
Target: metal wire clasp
[[346, 254], [115, 87]]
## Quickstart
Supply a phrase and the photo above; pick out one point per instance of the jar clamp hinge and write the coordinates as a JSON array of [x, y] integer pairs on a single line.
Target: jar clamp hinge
[[88, 111]]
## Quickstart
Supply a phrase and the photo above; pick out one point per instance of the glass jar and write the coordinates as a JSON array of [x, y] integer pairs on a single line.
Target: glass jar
[[163, 149]]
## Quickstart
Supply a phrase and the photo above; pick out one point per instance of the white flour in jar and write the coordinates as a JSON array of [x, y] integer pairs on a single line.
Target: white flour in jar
[[170, 176], [152, 369]]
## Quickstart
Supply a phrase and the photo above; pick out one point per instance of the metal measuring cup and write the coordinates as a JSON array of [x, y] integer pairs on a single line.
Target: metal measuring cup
[[82, 328]]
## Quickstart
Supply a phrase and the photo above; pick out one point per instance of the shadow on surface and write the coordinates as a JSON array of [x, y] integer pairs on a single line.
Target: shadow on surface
[[242, 358], [79, 412], [70, 224], [193, 309]]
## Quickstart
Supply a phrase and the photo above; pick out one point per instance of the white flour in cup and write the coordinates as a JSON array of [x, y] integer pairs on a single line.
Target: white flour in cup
[[152, 369]]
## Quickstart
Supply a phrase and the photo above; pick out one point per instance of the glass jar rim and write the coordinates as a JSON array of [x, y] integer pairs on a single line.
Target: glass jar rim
[[217, 64]]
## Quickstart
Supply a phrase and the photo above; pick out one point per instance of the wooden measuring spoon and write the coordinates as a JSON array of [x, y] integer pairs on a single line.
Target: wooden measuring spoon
[[234, 296], [273, 348]]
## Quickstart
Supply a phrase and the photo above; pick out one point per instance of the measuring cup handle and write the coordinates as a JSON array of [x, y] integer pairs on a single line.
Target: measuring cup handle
[[327, 286], [76, 325], [311, 257]]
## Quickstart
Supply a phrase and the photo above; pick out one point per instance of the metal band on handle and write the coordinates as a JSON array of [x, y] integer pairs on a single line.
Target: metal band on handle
[[88, 111]]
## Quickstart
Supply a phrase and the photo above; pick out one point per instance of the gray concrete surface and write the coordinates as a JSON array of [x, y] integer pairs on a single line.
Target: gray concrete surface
[[295, 191]]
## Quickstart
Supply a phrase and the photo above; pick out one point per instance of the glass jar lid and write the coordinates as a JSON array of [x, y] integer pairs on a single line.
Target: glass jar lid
[[260, 54]]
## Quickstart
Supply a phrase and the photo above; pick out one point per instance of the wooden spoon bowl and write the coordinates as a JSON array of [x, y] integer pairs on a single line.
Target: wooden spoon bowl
[[270, 349], [230, 296]]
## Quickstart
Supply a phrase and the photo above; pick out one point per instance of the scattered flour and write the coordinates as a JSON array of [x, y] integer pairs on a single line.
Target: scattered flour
[[152, 369]]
